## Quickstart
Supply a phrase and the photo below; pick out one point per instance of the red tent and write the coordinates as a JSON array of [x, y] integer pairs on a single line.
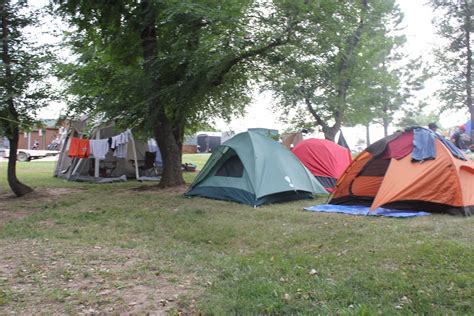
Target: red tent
[[325, 159]]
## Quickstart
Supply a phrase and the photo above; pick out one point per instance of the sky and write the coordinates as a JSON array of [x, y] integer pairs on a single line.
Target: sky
[[421, 39]]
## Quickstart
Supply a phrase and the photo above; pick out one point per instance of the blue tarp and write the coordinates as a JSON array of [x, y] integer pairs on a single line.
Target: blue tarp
[[364, 210]]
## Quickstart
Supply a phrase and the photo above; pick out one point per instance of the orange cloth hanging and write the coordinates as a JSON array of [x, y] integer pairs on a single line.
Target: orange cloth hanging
[[79, 148]]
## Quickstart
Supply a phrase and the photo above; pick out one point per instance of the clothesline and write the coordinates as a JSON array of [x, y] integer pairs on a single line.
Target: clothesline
[[83, 148]]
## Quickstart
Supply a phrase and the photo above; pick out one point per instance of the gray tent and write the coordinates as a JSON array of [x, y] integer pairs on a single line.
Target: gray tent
[[139, 163]]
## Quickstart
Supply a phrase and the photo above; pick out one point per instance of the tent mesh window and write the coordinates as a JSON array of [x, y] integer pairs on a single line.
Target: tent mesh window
[[232, 167], [377, 167]]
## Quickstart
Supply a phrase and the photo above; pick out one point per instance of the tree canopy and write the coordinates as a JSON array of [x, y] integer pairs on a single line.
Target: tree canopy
[[23, 88], [165, 66], [454, 24], [348, 71]]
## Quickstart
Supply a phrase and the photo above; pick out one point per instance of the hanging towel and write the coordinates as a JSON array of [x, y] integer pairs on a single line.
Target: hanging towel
[[99, 148], [121, 144], [79, 148], [423, 145], [153, 148]]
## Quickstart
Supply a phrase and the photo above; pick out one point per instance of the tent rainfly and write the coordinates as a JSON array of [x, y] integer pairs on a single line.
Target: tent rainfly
[[254, 169], [325, 159], [416, 169]]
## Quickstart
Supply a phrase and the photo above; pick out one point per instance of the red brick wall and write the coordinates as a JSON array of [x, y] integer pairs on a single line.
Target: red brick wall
[[47, 137], [189, 149]]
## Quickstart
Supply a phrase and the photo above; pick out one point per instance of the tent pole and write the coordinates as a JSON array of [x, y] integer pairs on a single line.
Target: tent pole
[[79, 134], [137, 174], [62, 151], [96, 160], [77, 167]]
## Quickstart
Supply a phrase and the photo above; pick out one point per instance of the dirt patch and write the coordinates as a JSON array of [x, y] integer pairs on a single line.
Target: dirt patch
[[13, 207], [45, 277], [174, 190], [41, 194]]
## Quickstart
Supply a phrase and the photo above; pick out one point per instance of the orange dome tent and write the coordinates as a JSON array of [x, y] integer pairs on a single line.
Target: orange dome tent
[[386, 175]]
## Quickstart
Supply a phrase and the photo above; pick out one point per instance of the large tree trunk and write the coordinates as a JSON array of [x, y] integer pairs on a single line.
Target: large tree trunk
[[385, 126], [330, 132], [13, 131], [467, 32], [169, 144], [171, 152], [344, 83], [17, 187], [367, 134], [385, 114]]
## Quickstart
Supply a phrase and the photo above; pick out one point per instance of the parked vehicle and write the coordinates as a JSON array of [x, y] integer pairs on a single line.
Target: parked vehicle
[[30, 154]]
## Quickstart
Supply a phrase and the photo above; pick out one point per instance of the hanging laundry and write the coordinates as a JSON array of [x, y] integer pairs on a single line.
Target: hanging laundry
[[79, 148], [99, 148], [153, 148], [424, 147], [119, 144]]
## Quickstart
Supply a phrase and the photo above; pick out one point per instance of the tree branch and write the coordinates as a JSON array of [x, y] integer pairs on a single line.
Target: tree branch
[[227, 66]]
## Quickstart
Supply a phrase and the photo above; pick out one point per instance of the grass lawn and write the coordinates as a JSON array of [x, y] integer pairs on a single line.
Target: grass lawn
[[119, 248]]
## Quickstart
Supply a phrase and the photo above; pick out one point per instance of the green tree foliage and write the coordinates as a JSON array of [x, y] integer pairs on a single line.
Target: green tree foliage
[[23, 88], [346, 71], [416, 117], [454, 22], [167, 66], [389, 90]]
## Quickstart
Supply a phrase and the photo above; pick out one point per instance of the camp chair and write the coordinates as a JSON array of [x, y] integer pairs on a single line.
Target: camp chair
[[149, 168]]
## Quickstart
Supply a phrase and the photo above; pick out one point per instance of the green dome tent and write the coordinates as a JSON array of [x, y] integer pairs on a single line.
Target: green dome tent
[[254, 169]]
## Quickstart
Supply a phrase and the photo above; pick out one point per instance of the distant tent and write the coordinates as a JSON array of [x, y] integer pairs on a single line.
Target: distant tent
[[325, 159], [342, 141], [254, 169], [208, 141], [467, 126], [142, 160], [290, 140], [416, 170], [272, 133]]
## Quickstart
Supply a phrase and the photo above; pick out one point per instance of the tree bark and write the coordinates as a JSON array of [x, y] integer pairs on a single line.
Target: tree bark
[[165, 135], [328, 131], [467, 32], [330, 134], [17, 187], [344, 83], [385, 109], [13, 132], [367, 134], [347, 57], [169, 126], [385, 121], [171, 152]]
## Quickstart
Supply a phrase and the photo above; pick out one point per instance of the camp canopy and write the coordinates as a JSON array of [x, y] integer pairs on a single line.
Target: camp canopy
[[391, 174], [253, 169], [138, 162], [325, 159]]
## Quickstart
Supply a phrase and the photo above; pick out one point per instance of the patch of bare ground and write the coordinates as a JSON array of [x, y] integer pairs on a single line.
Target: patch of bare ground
[[10, 210], [42, 277], [174, 190]]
